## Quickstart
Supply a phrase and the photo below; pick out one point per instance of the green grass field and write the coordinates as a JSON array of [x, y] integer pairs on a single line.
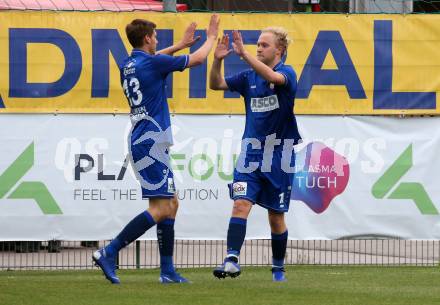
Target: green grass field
[[306, 285]]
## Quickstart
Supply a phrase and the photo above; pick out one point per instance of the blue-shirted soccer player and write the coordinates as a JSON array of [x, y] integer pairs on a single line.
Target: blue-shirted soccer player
[[269, 91], [143, 78]]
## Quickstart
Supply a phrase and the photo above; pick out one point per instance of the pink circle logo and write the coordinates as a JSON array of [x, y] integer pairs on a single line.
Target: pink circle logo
[[321, 175]]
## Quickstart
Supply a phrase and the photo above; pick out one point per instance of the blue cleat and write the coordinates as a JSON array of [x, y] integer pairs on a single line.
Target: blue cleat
[[278, 274], [107, 265], [172, 278], [229, 268]]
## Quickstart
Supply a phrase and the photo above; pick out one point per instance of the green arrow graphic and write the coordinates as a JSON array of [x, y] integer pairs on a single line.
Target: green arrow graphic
[[414, 191], [27, 190], [393, 174], [16, 170], [417, 193], [39, 192]]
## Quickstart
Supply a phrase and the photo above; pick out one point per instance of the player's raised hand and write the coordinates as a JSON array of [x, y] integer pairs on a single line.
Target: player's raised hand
[[212, 30], [237, 43], [188, 38], [222, 50]]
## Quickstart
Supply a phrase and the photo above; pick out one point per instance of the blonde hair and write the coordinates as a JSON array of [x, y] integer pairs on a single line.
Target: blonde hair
[[281, 36]]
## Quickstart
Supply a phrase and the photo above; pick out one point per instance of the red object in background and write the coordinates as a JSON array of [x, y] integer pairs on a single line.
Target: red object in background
[[87, 5], [316, 8]]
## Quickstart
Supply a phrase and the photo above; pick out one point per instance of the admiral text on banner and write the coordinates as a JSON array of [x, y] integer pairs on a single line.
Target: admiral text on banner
[[52, 62]]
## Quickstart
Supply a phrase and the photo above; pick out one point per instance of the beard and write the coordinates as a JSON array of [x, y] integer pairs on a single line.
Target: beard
[[266, 60]]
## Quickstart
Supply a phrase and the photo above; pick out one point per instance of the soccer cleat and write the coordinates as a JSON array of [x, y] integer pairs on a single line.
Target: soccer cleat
[[228, 268], [172, 278], [107, 265], [278, 274]]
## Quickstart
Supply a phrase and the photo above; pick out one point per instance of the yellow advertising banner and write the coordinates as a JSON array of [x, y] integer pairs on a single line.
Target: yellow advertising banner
[[67, 62]]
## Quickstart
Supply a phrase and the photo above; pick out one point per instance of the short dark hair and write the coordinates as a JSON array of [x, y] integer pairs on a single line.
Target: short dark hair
[[136, 31]]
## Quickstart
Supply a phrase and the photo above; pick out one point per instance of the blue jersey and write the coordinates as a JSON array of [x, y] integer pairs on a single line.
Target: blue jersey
[[143, 78], [269, 108]]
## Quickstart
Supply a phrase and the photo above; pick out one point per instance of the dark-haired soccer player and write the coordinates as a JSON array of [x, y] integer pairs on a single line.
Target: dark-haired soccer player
[[269, 91], [143, 77]]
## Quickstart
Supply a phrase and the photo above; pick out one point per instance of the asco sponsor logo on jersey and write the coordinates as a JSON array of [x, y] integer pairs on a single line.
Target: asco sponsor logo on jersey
[[263, 104]]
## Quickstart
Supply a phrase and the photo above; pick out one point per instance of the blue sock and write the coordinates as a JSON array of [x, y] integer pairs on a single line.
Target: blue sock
[[236, 235], [134, 229], [279, 244], [165, 240]]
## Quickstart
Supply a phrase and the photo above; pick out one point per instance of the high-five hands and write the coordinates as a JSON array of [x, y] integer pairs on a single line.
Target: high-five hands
[[237, 43], [222, 50], [188, 38], [212, 30]]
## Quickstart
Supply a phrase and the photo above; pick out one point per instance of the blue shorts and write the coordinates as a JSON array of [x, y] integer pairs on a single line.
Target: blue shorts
[[152, 167], [269, 188]]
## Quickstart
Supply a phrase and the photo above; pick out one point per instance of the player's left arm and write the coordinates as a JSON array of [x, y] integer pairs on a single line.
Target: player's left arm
[[187, 41], [264, 71]]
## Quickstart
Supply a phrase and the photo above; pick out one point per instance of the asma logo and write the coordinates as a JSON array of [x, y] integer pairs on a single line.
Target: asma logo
[[321, 174]]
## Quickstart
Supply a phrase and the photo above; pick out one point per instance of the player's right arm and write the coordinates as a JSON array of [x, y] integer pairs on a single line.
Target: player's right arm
[[187, 41], [216, 79], [199, 56]]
